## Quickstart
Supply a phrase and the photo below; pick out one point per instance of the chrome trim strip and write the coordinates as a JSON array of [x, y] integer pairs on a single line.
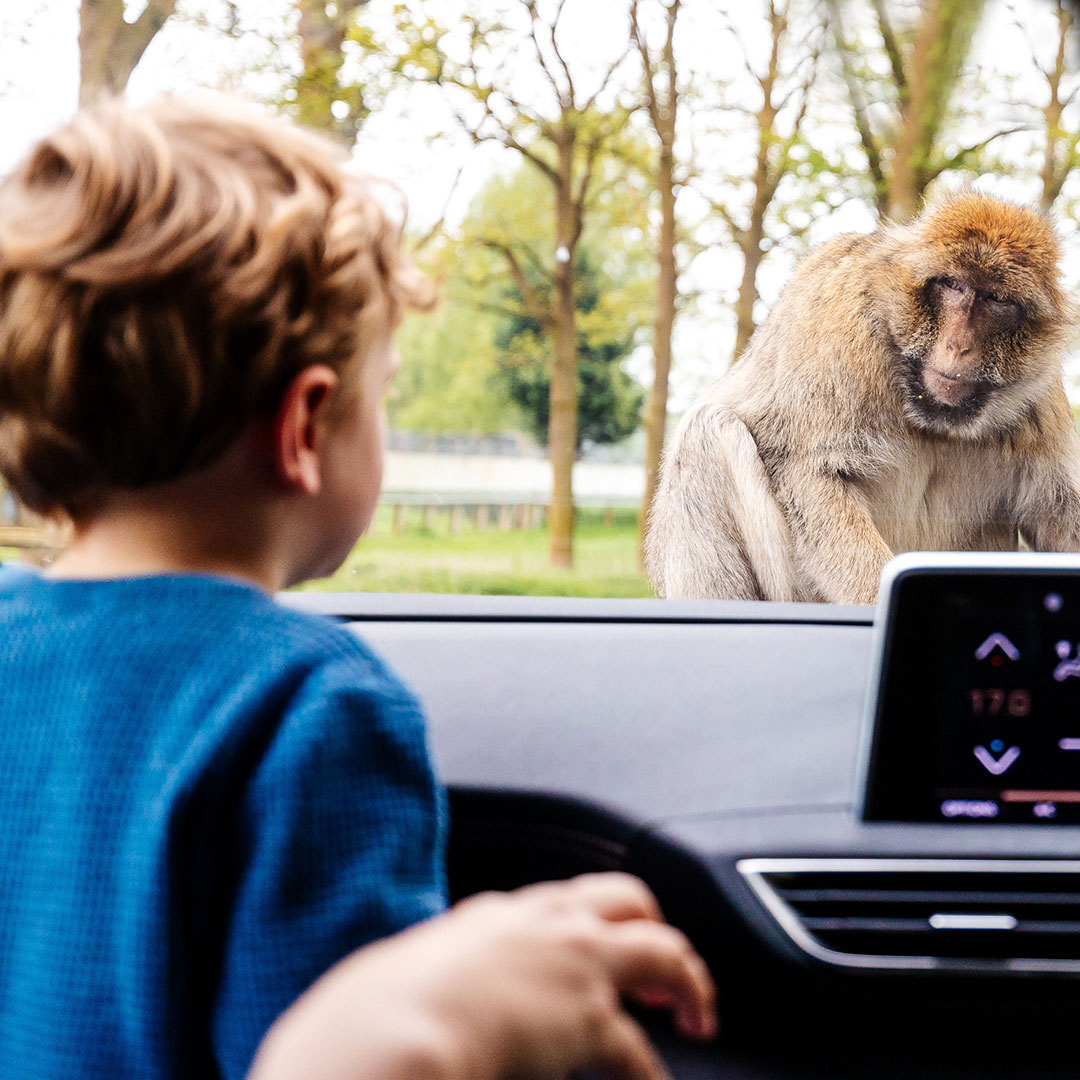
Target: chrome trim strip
[[754, 869], [958, 921]]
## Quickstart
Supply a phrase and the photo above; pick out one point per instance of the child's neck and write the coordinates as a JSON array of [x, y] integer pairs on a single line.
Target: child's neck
[[222, 520], [122, 543]]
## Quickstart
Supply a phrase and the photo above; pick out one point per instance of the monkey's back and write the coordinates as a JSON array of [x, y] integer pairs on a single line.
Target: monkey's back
[[817, 344]]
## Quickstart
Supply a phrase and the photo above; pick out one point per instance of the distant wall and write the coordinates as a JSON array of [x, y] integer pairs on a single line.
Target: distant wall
[[500, 478]]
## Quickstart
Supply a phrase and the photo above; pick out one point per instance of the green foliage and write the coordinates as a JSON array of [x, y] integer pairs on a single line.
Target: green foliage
[[609, 400], [454, 377], [448, 381], [492, 562], [613, 283]]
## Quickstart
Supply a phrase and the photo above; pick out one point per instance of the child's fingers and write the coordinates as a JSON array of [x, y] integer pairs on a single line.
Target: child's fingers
[[627, 1054], [612, 896], [659, 961]]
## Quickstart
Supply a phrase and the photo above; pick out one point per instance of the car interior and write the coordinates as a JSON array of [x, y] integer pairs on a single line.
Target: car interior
[[863, 818]]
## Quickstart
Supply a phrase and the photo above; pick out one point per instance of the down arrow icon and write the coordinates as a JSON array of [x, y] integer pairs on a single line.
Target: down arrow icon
[[996, 766]]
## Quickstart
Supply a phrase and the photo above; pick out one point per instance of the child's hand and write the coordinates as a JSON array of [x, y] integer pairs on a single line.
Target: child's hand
[[525, 984]]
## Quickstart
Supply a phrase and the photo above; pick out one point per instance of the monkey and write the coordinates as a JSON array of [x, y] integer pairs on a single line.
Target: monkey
[[904, 394]]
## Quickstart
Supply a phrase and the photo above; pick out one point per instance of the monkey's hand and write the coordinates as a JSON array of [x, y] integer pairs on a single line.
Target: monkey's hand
[[838, 548]]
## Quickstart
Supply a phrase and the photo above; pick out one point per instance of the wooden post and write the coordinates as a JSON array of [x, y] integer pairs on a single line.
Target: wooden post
[[456, 512], [481, 517], [505, 517], [429, 517], [399, 518], [609, 517]]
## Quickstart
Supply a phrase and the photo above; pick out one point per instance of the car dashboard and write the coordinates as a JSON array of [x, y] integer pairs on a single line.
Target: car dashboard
[[712, 749]]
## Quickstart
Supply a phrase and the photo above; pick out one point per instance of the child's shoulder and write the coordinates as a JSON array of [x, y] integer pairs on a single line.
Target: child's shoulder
[[227, 628], [341, 653]]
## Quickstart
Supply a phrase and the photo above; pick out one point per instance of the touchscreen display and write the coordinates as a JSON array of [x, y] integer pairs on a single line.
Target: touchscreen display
[[978, 714]]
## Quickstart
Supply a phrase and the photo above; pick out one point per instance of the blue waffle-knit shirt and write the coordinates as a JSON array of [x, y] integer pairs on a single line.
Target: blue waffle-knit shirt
[[206, 799]]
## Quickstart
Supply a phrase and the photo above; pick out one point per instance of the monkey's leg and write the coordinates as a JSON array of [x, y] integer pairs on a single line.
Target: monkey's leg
[[715, 529], [838, 547]]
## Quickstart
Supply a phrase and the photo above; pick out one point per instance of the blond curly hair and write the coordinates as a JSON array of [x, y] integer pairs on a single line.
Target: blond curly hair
[[165, 272]]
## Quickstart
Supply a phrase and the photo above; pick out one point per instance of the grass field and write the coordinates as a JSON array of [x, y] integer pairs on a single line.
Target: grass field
[[492, 561]]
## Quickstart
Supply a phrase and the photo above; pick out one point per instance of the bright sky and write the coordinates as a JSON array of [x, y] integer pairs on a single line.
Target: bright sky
[[39, 89]]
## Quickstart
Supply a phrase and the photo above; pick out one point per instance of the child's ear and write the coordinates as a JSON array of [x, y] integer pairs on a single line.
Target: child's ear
[[299, 428]]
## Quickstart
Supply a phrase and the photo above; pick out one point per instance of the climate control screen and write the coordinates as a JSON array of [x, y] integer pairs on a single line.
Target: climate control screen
[[978, 713]]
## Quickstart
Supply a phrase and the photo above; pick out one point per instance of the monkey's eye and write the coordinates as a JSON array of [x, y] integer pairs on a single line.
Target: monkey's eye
[[952, 283]]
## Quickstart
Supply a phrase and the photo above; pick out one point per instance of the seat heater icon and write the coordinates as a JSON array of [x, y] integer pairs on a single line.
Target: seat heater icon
[[996, 766], [1069, 668]]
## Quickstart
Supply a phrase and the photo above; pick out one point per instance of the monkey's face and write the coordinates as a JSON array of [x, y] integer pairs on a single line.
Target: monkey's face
[[976, 334], [978, 319]]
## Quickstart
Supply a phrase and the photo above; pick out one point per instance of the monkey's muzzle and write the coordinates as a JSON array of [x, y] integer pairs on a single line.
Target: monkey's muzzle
[[948, 389]]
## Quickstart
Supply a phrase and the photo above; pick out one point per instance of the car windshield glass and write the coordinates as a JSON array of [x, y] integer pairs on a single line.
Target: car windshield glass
[[612, 197]]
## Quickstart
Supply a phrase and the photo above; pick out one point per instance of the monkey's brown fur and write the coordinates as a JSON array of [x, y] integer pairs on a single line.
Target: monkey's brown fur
[[904, 394]]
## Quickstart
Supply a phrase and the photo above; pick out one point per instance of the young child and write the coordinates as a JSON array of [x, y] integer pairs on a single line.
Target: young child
[[207, 799]]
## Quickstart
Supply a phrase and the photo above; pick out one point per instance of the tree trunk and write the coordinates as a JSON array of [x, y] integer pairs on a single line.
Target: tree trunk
[[750, 245], [904, 190], [937, 56], [318, 86], [562, 433], [663, 115], [109, 48], [750, 242], [656, 415], [1056, 164]]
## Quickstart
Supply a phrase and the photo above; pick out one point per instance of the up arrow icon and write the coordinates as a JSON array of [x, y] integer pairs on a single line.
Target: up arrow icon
[[997, 641], [996, 766]]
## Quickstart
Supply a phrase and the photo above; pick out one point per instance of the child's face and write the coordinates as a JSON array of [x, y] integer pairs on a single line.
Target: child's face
[[353, 462]]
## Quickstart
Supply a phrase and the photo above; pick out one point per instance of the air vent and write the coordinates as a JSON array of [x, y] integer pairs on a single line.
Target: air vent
[[1005, 916]]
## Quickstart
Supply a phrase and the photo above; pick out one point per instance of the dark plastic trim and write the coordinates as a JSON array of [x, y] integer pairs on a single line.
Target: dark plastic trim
[[417, 607]]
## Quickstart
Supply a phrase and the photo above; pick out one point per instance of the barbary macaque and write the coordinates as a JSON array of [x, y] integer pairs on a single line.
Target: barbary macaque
[[904, 394]]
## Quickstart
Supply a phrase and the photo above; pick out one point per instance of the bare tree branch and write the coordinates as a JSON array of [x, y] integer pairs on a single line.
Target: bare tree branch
[[800, 117], [553, 30], [725, 215], [110, 48], [892, 48], [612, 68], [534, 20], [502, 135], [437, 227], [472, 300], [862, 123], [581, 195], [638, 39], [529, 296], [957, 159], [1026, 34]]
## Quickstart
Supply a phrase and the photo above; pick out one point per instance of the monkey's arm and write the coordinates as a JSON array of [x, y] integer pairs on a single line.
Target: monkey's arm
[[1050, 512], [837, 546], [715, 528], [1048, 489]]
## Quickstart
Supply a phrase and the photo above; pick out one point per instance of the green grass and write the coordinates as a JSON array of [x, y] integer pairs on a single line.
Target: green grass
[[491, 561]]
